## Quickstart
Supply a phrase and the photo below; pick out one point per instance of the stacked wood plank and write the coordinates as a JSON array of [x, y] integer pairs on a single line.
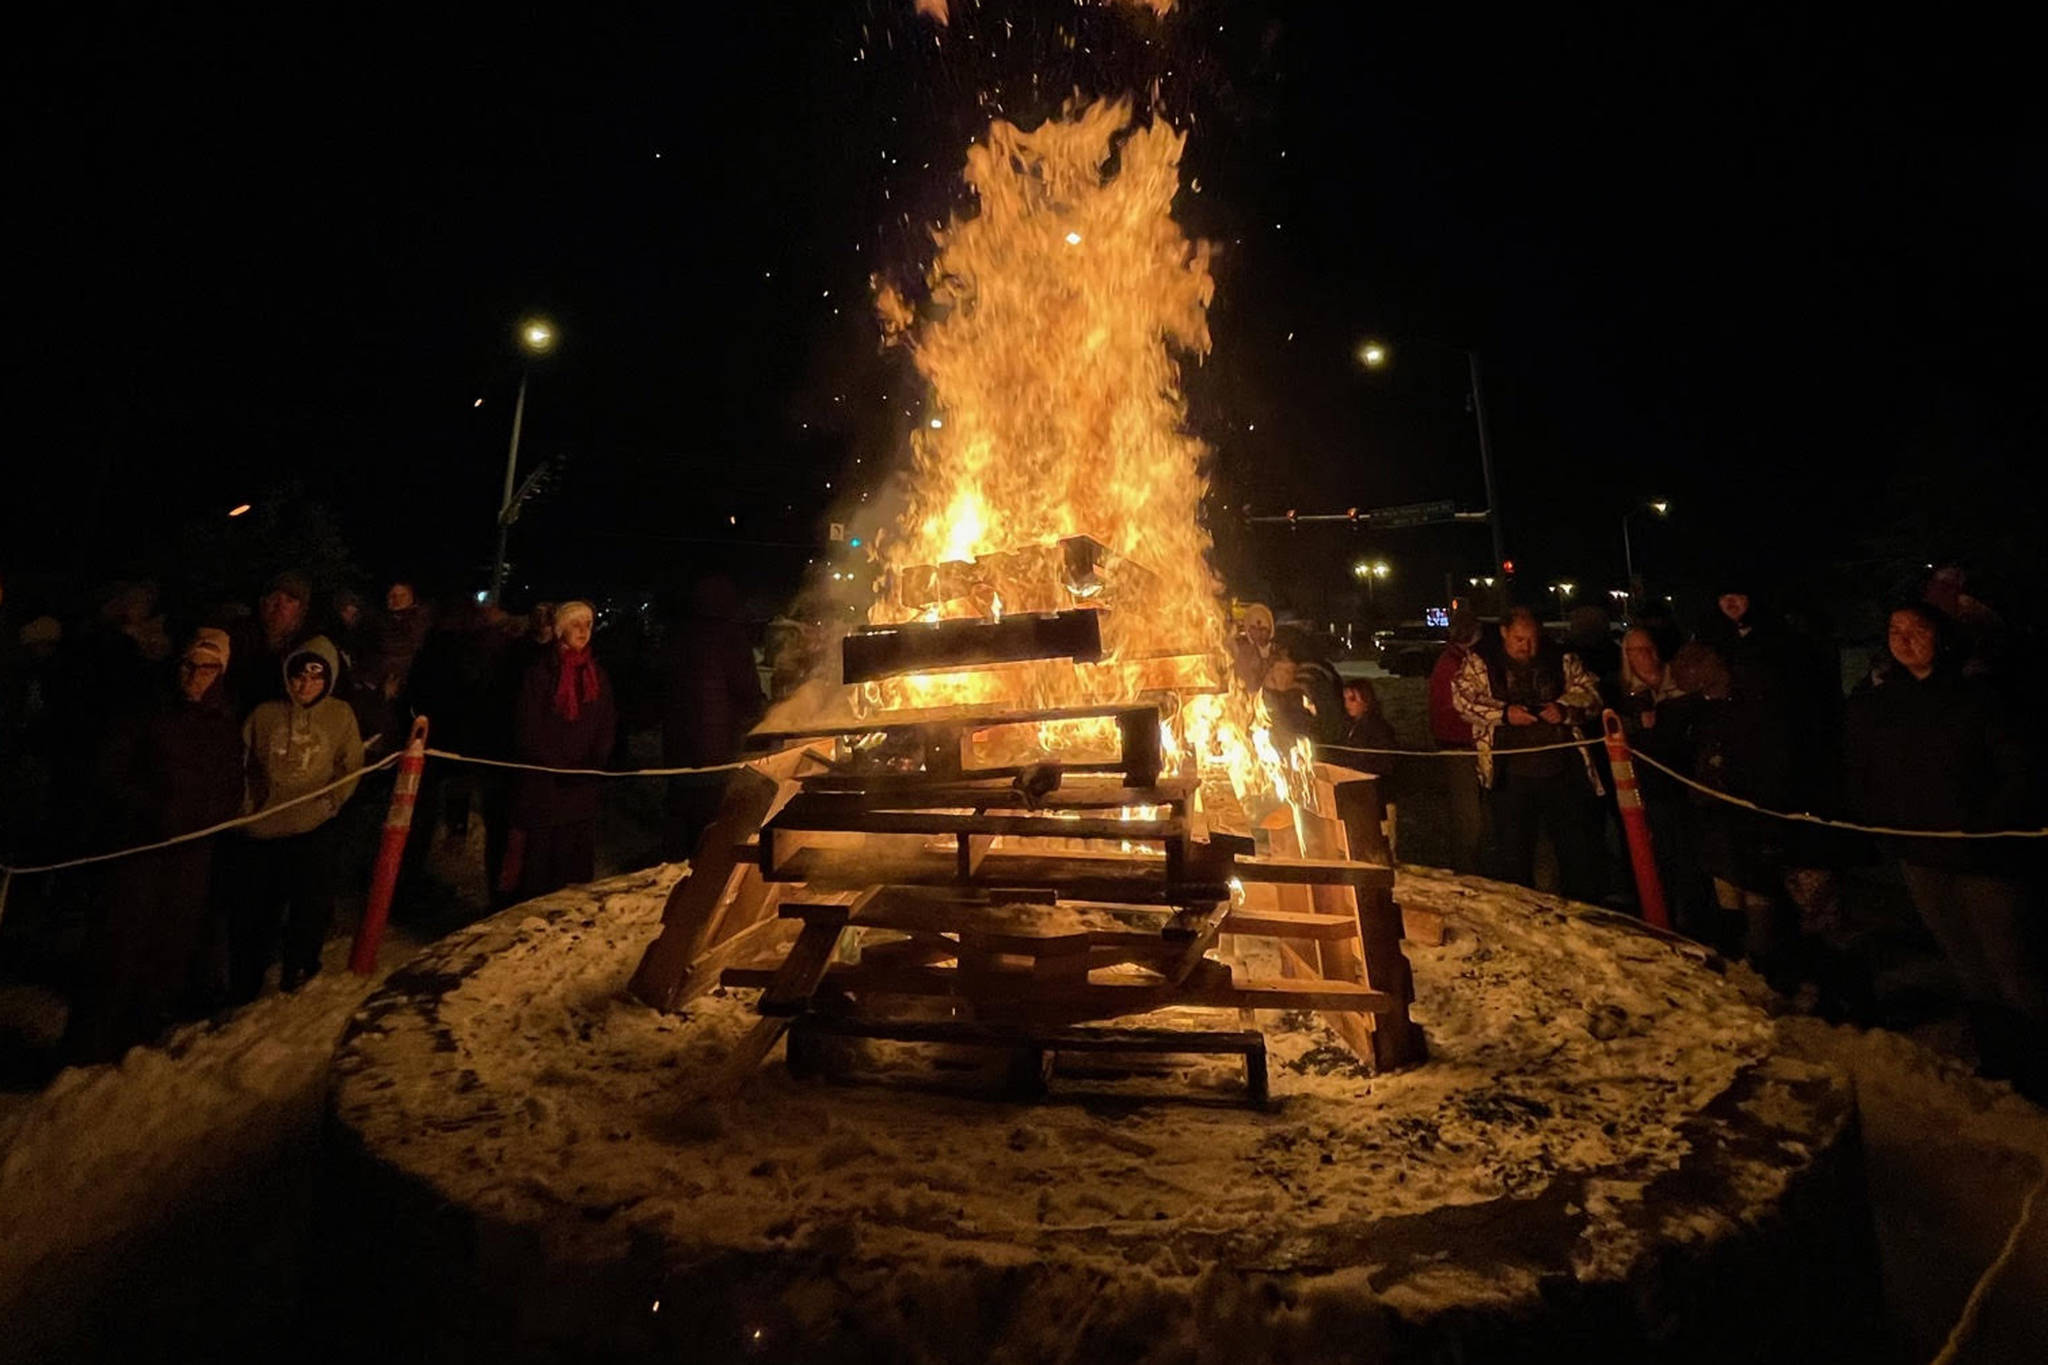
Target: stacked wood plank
[[918, 898]]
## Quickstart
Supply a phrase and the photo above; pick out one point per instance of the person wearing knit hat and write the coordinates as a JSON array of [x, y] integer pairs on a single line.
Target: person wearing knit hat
[[577, 610], [1251, 649], [208, 646], [173, 767], [263, 642], [566, 717]]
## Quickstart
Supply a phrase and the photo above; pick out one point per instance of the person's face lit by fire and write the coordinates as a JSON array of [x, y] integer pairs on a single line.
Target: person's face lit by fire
[[1645, 664], [196, 678], [574, 633], [1733, 605], [398, 597], [1912, 642], [1356, 703], [1519, 638], [1259, 631], [308, 681]]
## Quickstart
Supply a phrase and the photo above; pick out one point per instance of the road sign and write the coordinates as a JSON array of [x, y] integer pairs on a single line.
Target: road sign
[[1412, 514]]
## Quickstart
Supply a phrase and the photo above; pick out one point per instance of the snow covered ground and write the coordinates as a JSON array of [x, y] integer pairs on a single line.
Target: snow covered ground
[[170, 1199], [166, 1197]]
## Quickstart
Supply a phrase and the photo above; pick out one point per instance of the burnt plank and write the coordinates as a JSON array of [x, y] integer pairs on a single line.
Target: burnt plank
[[848, 792], [969, 642], [802, 814], [964, 718]]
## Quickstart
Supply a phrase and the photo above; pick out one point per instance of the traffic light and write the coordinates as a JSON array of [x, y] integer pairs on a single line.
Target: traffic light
[[1507, 567]]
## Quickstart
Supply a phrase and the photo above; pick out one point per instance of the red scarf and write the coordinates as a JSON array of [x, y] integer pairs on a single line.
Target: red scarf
[[577, 683]]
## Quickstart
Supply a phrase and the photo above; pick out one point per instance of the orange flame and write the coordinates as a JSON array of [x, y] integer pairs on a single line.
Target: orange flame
[[1059, 310]]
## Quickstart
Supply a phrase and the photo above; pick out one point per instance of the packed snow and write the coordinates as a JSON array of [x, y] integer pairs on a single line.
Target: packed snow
[[1570, 1052]]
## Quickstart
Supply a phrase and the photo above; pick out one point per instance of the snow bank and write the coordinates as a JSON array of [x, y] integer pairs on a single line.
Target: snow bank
[[110, 1161], [1598, 1098]]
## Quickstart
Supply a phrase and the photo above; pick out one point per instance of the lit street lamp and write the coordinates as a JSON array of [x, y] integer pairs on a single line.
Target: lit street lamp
[[1371, 572], [1376, 355], [1662, 508], [536, 338], [1563, 591]]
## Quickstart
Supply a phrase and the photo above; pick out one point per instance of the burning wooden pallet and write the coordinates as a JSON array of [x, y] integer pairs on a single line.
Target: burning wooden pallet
[[922, 897], [926, 876]]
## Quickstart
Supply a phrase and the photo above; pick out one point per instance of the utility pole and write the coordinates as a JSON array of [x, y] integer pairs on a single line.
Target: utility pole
[[1500, 554], [537, 337], [505, 503]]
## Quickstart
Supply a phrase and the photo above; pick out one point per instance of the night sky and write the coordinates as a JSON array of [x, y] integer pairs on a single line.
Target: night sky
[[1783, 271]]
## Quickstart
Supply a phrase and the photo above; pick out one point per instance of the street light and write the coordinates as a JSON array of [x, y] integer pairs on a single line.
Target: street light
[[1375, 354], [537, 337], [1660, 506], [1563, 590], [1371, 572]]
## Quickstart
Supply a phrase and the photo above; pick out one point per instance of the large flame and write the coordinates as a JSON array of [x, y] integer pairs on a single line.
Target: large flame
[[1050, 342], [1059, 309]]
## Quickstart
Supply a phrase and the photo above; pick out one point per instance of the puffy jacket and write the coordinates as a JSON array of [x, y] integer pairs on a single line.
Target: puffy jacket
[[1941, 753], [294, 749]]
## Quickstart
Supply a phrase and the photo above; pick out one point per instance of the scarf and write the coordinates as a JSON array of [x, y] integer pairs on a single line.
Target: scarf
[[576, 685]]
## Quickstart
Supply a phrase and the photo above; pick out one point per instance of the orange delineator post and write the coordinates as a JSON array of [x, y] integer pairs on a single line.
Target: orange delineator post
[[397, 824], [1635, 824]]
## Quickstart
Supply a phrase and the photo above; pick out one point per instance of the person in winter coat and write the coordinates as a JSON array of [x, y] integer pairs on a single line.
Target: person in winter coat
[[1658, 718], [710, 696], [1519, 690], [1251, 649], [169, 769], [566, 717], [1363, 806], [264, 641], [1930, 748], [1365, 727], [1458, 782], [284, 867], [1303, 692], [1748, 745]]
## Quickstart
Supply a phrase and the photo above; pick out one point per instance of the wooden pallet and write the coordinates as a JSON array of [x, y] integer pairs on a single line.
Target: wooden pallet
[[1013, 897], [1034, 1049]]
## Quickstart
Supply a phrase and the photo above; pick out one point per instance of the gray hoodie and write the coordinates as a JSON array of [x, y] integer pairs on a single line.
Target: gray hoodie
[[293, 749]]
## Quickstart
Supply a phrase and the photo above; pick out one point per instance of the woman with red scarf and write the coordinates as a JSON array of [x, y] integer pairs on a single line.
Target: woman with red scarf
[[566, 718]]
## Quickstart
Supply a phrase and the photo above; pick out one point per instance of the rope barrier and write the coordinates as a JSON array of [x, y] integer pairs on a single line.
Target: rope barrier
[[1973, 1307], [584, 772], [1803, 818], [1466, 754], [1639, 756], [8, 871], [236, 823]]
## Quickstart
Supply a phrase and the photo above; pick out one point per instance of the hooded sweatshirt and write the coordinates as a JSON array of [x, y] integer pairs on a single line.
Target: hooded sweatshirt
[[294, 749]]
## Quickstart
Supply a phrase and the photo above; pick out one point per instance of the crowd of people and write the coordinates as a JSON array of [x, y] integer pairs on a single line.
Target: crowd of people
[[122, 731], [1749, 706], [125, 730]]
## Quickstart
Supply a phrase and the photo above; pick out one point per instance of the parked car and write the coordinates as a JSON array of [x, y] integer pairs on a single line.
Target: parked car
[[1408, 650]]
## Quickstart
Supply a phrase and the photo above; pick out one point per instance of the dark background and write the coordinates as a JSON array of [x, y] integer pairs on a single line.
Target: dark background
[[1779, 267]]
